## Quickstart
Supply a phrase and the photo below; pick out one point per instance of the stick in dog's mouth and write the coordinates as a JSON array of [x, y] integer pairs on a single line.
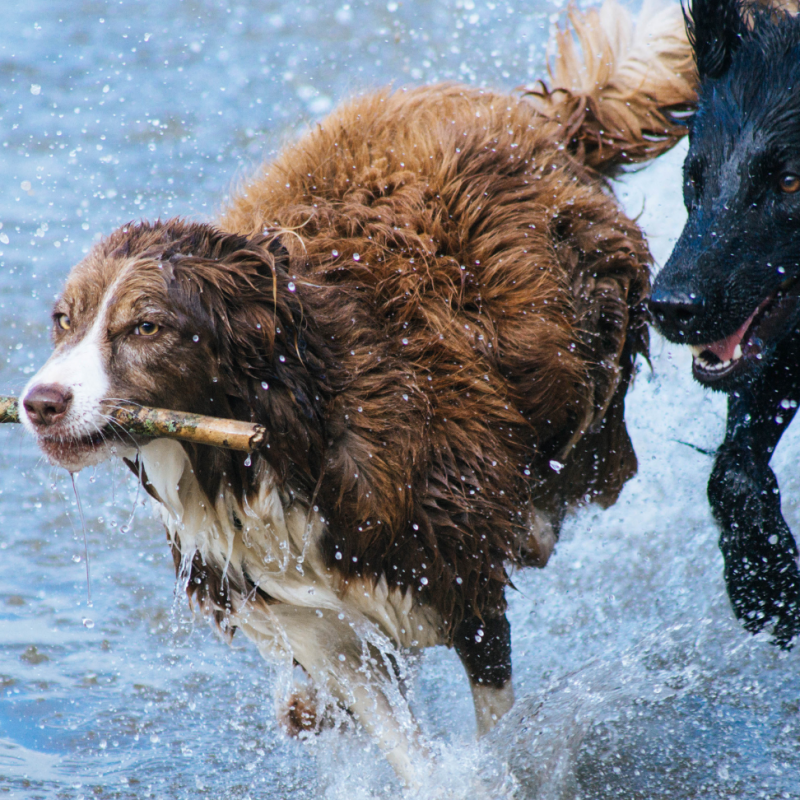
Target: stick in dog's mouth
[[154, 423], [720, 359]]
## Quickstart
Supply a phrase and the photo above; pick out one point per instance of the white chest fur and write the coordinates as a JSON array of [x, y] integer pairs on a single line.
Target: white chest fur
[[276, 547], [343, 633]]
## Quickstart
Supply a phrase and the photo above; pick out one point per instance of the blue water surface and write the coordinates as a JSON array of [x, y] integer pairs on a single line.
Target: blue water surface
[[634, 680]]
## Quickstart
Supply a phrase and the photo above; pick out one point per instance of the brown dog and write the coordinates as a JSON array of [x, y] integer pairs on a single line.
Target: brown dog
[[432, 303]]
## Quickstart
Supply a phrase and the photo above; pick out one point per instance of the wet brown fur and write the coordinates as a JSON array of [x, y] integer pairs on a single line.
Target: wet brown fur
[[442, 298], [515, 281]]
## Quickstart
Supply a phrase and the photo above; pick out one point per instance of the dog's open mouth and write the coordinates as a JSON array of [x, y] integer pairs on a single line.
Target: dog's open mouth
[[745, 347]]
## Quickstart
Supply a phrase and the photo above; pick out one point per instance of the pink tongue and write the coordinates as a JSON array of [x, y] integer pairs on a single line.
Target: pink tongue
[[724, 348]]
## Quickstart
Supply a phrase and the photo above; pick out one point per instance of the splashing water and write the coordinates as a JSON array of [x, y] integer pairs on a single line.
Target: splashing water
[[85, 543]]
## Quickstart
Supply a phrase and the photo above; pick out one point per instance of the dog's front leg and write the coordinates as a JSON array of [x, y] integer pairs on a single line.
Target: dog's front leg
[[341, 662], [760, 553], [484, 647]]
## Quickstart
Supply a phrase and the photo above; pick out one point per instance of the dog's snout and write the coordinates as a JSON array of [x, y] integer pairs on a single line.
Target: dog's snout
[[46, 404], [675, 313]]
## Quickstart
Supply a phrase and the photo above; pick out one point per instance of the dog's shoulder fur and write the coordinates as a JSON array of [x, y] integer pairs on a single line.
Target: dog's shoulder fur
[[475, 288]]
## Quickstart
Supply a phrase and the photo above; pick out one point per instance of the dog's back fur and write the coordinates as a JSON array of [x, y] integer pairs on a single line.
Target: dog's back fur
[[433, 303], [474, 293], [456, 222]]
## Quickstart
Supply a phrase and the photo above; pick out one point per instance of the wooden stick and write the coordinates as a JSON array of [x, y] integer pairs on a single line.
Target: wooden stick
[[9, 409], [158, 423]]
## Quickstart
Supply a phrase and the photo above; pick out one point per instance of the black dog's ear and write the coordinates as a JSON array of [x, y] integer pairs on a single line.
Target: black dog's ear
[[715, 29]]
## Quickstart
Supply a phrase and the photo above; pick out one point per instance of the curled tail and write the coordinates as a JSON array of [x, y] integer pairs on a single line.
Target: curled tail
[[616, 85]]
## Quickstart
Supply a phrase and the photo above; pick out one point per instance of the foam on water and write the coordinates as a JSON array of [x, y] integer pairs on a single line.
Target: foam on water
[[633, 679]]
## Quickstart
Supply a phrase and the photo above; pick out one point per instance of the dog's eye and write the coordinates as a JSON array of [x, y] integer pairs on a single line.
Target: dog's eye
[[62, 320], [789, 183], [146, 329]]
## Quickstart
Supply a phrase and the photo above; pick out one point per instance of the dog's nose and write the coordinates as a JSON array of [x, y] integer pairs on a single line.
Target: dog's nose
[[675, 313], [47, 403]]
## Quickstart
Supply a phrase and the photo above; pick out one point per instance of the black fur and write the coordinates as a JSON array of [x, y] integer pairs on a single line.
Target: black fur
[[484, 647], [715, 28], [737, 263]]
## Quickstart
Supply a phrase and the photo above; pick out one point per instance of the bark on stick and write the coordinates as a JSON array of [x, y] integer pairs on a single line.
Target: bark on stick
[[157, 423]]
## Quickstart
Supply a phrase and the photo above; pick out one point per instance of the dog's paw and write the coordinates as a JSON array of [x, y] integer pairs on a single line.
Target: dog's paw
[[299, 714], [764, 588], [787, 625], [303, 712]]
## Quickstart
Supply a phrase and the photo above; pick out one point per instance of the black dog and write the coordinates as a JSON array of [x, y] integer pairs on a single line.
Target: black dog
[[733, 281]]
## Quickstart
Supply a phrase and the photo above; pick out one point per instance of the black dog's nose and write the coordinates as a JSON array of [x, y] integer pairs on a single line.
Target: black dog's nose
[[675, 313], [47, 403]]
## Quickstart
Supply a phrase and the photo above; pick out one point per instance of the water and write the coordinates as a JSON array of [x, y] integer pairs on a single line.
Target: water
[[634, 680]]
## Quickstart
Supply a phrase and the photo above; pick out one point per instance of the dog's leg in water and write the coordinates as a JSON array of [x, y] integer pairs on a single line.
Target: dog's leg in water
[[333, 654], [761, 570], [484, 647]]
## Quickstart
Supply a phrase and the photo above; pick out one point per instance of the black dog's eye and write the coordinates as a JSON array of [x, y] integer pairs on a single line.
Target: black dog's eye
[[789, 183], [146, 329]]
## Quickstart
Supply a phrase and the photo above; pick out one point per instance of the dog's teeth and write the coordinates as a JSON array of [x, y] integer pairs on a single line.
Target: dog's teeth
[[737, 353], [696, 350]]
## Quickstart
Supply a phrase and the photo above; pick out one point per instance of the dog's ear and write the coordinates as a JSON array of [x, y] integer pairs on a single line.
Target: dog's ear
[[715, 29], [267, 364]]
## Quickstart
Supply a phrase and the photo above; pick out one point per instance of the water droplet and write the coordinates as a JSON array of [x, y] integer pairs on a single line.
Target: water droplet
[[356, 257], [341, 657], [338, 556], [423, 581], [195, 338], [291, 286], [335, 253], [248, 461], [405, 397], [404, 340], [282, 359], [264, 385], [557, 466], [87, 623]]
